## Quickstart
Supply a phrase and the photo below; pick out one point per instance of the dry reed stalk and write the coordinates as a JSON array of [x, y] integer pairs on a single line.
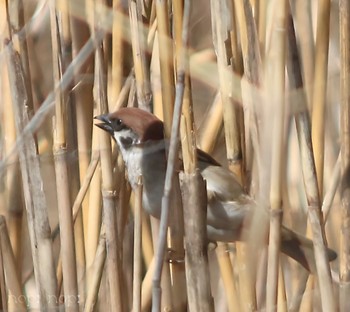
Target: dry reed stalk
[[261, 27], [38, 223], [118, 47], [156, 80], [303, 17], [309, 171], [164, 289], [319, 94], [68, 251], [198, 283], [15, 296], [108, 192], [146, 288], [96, 271], [136, 306], [83, 100], [252, 72], [275, 107], [14, 194], [192, 184], [166, 64], [281, 296], [94, 218], [3, 288], [15, 21], [138, 43], [210, 129], [344, 269], [228, 278], [65, 39]]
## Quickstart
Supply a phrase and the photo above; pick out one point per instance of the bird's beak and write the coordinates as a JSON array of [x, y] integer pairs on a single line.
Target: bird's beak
[[105, 124]]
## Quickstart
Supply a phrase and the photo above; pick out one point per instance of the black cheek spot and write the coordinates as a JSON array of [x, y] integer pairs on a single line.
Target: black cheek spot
[[126, 141]]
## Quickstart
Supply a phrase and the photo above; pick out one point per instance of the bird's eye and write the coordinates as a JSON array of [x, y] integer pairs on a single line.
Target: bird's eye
[[118, 124]]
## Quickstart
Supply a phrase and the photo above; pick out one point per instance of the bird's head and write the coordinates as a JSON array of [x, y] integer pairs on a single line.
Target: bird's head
[[131, 127]]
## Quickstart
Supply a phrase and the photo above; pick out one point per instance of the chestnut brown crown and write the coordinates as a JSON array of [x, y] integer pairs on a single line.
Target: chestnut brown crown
[[144, 124]]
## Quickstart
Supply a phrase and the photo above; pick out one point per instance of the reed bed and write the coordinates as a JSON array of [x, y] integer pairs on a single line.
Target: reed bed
[[262, 86]]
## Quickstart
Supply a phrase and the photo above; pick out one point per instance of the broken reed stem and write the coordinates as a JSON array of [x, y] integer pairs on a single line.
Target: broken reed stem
[[275, 107], [319, 96], [195, 206], [232, 129], [38, 222], [68, 251], [138, 44], [96, 271], [344, 269], [14, 288], [210, 129], [136, 306], [303, 126], [108, 192]]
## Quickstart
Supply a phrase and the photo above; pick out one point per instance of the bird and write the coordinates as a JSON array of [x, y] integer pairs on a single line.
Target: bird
[[140, 138]]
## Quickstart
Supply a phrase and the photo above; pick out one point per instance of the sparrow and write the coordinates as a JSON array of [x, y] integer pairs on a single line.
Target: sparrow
[[140, 138]]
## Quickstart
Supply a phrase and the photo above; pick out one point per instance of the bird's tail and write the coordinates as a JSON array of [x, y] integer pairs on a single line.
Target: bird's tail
[[301, 249]]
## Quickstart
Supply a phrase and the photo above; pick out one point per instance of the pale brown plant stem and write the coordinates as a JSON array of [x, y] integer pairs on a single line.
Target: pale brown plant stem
[[14, 288], [68, 250], [113, 260], [303, 17], [96, 275], [344, 269], [252, 73], [303, 125], [138, 43], [319, 95], [137, 248], [83, 104], [3, 288], [275, 106], [118, 51], [166, 64], [38, 223]]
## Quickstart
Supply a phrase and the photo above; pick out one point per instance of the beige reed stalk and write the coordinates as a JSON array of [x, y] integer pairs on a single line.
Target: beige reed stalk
[[118, 60], [192, 184], [252, 73], [38, 222], [15, 21], [65, 215], [210, 129], [94, 218], [96, 271], [306, 43], [113, 260], [138, 44], [275, 108], [137, 277], [344, 270], [299, 109], [319, 95], [3, 283], [83, 101], [14, 293], [230, 113], [166, 64]]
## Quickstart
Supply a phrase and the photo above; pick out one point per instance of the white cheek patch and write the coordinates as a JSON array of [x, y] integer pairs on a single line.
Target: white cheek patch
[[125, 138]]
